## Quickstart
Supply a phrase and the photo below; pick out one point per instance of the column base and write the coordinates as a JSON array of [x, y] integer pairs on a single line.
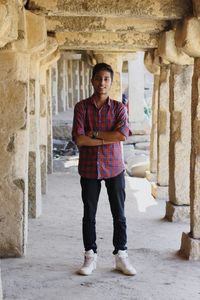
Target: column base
[[154, 189], [190, 247], [162, 192], [177, 213], [152, 177]]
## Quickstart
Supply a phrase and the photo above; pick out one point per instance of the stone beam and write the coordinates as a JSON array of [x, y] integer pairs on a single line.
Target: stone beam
[[8, 22], [102, 24], [106, 41], [158, 9]]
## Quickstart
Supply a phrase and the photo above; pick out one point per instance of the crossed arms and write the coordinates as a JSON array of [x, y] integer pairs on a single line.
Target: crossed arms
[[103, 138]]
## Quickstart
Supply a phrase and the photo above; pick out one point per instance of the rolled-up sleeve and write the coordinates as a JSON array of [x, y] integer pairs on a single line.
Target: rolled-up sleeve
[[78, 120], [122, 120]]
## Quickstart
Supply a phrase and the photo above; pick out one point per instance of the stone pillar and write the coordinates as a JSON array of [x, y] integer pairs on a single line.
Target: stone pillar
[[137, 121], [76, 81], [152, 63], [163, 135], [87, 81], [43, 129], [66, 86], [177, 208], [55, 89], [61, 84], [115, 60], [82, 79], [14, 124], [152, 174], [34, 175], [70, 83], [49, 123], [190, 244]]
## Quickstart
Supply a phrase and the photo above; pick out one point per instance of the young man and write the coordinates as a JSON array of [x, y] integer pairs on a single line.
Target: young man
[[99, 125]]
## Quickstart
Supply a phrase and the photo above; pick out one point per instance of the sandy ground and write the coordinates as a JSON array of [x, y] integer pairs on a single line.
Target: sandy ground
[[1, 293], [55, 251]]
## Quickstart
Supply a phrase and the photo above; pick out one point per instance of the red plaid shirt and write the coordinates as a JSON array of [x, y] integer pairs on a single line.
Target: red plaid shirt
[[103, 161]]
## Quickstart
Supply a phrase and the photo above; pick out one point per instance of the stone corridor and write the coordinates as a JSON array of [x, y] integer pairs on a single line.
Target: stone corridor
[[48, 50], [55, 250]]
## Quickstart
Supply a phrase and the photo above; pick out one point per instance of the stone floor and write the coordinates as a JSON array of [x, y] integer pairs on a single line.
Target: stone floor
[[55, 251]]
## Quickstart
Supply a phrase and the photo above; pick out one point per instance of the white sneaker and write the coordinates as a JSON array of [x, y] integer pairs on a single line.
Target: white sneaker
[[89, 264], [123, 264]]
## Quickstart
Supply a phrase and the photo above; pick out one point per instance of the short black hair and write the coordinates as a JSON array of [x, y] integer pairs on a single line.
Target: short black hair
[[102, 67]]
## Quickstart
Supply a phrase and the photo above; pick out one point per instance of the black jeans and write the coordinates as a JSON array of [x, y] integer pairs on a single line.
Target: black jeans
[[90, 195]]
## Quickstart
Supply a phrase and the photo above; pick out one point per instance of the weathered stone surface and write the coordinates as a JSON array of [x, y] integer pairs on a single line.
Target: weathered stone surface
[[34, 185], [33, 33], [43, 155], [162, 192], [154, 189], [151, 176], [190, 247], [168, 50], [152, 62], [177, 213], [9, 16], [102, 24], [16, 60], [106, 41], [13, 161], [195, 155], [180, 134], [133, 8], [196, 8], [163, 128], [187, 36], [154, 127]]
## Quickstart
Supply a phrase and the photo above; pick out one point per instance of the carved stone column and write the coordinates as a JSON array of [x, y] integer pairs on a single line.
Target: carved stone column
[[163, 135], [61, 84], [190, 244], [177, 208], [54, 72]]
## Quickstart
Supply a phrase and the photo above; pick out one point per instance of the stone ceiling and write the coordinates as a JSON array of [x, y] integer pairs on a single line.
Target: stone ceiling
[[109, 25]]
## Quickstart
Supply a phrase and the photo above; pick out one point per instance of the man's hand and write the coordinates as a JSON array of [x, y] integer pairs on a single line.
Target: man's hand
[[89, 133]]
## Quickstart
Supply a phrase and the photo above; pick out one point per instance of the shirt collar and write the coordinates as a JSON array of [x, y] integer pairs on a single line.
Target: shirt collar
[[108, 102]]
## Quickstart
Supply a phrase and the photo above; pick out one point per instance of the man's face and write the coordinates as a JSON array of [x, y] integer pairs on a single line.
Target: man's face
[[102, 82]]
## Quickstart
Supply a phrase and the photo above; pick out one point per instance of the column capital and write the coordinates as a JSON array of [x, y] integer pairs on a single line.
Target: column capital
[[168, 50], [152, 62], [187, 36]]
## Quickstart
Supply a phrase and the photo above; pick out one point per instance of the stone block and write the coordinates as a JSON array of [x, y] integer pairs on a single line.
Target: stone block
[[33, 33], [162, 193], [187, 36], [152, 177], [8, 22], [168, 50], [177, 213], [190, 247], [154, 189], [14, 66]]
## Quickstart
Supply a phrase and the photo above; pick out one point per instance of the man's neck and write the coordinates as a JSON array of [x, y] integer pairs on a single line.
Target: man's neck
[[100, 99]]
